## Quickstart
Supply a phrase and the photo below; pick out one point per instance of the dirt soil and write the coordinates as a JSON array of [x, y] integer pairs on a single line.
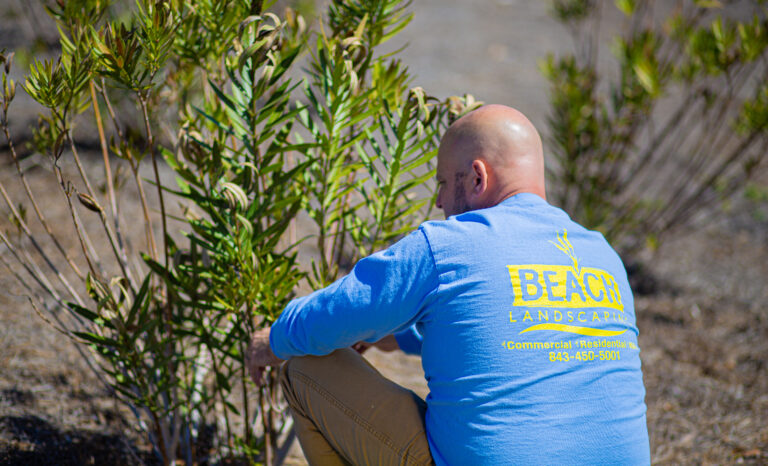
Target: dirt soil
[[701, 299]]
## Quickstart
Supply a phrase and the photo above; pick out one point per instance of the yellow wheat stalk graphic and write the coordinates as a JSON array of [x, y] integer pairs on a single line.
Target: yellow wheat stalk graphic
[[564, 245]]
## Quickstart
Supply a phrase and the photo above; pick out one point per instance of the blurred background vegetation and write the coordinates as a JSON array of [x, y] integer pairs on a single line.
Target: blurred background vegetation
[[680, 123]]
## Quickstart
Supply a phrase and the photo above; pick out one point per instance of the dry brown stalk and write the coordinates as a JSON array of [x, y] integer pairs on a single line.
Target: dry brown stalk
[[150, 236], [36, 207], [107, 166]]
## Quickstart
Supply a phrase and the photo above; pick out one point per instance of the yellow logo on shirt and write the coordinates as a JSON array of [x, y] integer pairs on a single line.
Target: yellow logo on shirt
[[537, 285], [566, 287]]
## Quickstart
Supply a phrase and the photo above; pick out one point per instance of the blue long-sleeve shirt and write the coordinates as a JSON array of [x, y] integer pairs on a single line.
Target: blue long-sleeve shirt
[[526, 328]]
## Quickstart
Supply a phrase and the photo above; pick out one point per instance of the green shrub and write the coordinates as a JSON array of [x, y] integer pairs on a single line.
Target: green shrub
[[255, 141]]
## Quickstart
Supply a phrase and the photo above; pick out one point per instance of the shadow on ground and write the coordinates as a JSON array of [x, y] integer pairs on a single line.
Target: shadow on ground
[[29, 440]]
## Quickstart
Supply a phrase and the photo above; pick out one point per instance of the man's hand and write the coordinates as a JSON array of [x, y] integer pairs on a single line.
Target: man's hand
[[386, 344], [259, 355]]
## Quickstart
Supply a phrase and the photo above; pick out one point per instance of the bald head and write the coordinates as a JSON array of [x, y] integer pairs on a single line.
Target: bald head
[[487, 156]]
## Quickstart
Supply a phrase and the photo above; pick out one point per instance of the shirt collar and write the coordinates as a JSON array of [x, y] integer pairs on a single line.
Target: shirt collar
[[523, 199]]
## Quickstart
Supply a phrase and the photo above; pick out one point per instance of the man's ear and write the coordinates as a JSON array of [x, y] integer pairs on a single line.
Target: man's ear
[[479, 177]]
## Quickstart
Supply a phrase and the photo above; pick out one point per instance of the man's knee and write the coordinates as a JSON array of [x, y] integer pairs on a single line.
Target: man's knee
[[312, 368], [319, 365]]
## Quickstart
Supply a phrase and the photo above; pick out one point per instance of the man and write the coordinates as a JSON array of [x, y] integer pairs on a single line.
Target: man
[[523, 319]]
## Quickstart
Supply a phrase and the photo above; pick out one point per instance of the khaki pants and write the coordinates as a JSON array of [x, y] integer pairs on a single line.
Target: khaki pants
[[346, 412]]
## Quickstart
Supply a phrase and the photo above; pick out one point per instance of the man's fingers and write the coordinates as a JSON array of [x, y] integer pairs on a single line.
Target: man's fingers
[[361, 346], [388, 344], [254, 370]]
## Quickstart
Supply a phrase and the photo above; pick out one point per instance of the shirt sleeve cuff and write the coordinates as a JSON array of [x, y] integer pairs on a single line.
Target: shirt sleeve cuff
[[272, 345]]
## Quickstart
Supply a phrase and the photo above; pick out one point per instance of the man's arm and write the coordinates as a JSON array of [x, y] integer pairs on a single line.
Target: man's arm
[[383, 294]]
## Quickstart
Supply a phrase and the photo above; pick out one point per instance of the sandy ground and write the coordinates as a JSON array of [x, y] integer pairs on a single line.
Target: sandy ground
[[704, 329]]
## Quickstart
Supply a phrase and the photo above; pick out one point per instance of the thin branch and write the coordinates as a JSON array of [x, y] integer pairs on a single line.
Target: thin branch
[[707, 184], [717, 136], [110, 110], [73, 214], [37, 246], [686, 107], [107, 166], [339, 229], [267, 426], [218, 390], [35, 206], [153, 155], [246, 405], [720, 133], [150, 236], [144, 207], [40, 279], [87, 239], [46, 319], [79, 164], [117, 248]]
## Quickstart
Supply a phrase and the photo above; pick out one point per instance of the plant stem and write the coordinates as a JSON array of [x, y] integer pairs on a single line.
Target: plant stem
[[683, 210], [35, 206], [79, 165], [73, 214], [161, 198], [267, 426], [160, 438], [653, 147], [244, 383], [151, 244], [107, 166], [117, 248], [167, 305], [144, 207], [110, 110], [218, 390]]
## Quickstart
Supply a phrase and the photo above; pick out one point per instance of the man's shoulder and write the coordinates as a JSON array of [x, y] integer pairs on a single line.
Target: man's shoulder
[[520, 228]]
